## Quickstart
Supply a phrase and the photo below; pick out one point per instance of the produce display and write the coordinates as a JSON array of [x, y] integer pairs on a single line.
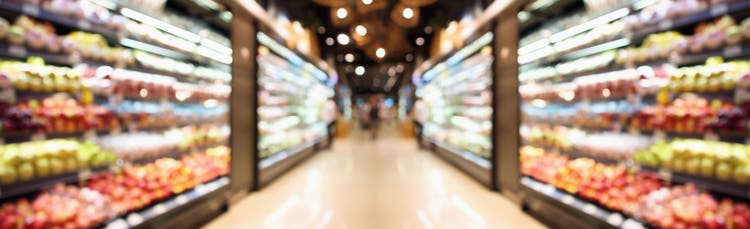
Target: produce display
[[295, 104], [97, 122], [454, 105], [650, 121]]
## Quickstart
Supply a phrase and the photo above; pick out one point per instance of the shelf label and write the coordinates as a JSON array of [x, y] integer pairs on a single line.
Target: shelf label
[[160, 209], [115, 131], [17, 50], [84, 174], [118, 224], [89, 134], [590, 209], [711, 136], [181, 200], [732, 51], [665, 174], [30, 9], [665, 25], [38, 136], [631, 224], [634, 131], [659, 135], [567, 199], [614, 219], [84, 24], [719, 9], [747, 141], [134, 219]]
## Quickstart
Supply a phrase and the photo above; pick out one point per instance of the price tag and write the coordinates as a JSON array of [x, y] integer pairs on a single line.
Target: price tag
[[659, 135], [665, 174], [634, 131], [115, 131], [632, 224], [719, 9], [590, 209], [84, 174], [118, 224], [30, 9], [160, 209], [567, 199], [614, 219], [747, 141], [201, 190], [711, 136], [732, 51], [84, 24], [38, 136], [665, 25], [134, 219], [90, 134], [17, 50], [181, 199]]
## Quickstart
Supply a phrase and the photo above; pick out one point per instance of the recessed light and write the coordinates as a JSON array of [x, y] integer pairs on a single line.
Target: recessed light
[[380, 52], [428, 29], [343, 39], [361, 30], [367, 2], [330, 41], [341, 13], [408, 13], [360, 70], [349, 57], [420, 41], [321, 29]]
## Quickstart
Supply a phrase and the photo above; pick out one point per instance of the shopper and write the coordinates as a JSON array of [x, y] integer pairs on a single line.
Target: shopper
[[374, 117]]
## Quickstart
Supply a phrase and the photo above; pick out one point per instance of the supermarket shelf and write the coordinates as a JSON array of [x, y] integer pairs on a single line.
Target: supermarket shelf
[[476, 166], [25, 136], [716, 10], [574, 208], [727, 52], [575, 154], [80, 24], [275, 165], [174, 211], [22, 188], [176, 154], [712, 184]]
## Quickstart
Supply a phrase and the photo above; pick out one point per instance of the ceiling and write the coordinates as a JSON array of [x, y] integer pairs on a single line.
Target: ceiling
[[386, 29]]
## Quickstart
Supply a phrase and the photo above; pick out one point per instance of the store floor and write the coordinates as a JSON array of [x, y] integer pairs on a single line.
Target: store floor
[[388, 183]]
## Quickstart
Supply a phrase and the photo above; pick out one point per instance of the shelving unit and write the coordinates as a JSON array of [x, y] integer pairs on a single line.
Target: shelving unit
[[602, 102], [87, 112], [452, 101]]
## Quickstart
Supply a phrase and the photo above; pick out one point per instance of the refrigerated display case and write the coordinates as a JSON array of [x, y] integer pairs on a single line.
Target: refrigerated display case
[[453, 108], [296, 110], [634, 115], [102, 125]]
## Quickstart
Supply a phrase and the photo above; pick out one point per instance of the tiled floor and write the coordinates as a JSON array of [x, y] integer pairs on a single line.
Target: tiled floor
[[387, 183]]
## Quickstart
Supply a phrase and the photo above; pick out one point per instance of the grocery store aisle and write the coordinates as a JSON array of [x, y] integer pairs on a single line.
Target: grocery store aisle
[[388, 183]]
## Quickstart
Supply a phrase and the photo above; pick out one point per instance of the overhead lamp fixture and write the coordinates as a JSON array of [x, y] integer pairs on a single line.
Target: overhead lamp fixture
[[360, 70], [380, 53], [343, 39], [420, 41], [408, 13], [341, 13], [349, 57], [330, 41], [367, 2], [361, 30]]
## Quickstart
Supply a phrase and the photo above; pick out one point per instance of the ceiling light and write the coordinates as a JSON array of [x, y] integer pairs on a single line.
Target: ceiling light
[[380, 52], [360, 70], [428, 29], [343, 39], [349, 57], [367, 2], [408, 13], [361, 30], [420, 41], [341, 13], [409, 57], [321, 29], [330, 41]]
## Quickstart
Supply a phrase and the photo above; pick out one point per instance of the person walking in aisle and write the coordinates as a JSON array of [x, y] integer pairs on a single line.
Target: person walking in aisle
[[374, 117]]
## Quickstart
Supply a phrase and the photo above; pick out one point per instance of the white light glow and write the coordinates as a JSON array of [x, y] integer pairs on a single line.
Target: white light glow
[[408, 13], [330, 41], [343, 39], [380, 52], [590, 24], [210, 103], [349, 57], [341, 13], [361, 30], [420, 41], [367, 2], [360, 70], [143, 92]]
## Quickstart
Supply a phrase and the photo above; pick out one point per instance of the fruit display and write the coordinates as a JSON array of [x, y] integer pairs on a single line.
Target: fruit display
[[294, 103], [81, 10], [454, 105], [34, 76], [633, 122], [29, 160]]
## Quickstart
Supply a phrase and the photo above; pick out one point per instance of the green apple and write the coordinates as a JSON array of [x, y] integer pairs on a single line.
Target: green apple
[[25, 171], [708, 166], [57, 166], [724, 171], [742, 174], [693, 166], [8, 174], [42, 167]]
